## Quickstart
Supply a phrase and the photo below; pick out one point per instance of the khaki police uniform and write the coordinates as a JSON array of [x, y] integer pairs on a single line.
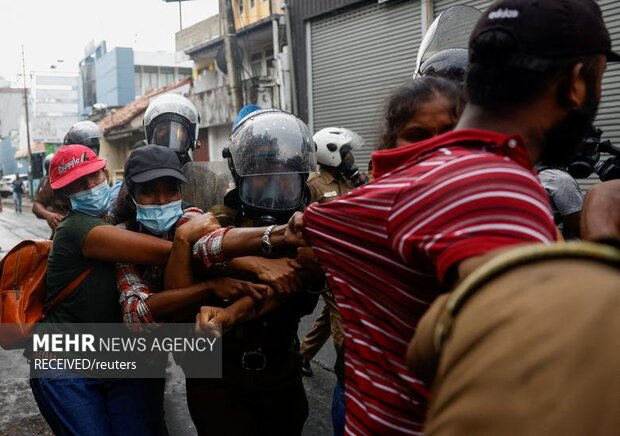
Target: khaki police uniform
[[325, 187], [261, 391], [531, 349]]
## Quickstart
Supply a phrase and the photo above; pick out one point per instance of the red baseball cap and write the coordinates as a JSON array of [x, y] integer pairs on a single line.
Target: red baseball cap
[[71, 162]]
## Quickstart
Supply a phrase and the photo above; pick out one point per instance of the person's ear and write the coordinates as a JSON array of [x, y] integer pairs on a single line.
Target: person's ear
[[577, 91], [107, 174]]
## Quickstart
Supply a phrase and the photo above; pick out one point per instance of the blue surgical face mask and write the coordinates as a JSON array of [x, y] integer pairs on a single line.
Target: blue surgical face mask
[[93, 202], [158, 219]]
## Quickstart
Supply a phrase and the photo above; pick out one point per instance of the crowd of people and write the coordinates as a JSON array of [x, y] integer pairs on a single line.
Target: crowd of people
[[452, 307]]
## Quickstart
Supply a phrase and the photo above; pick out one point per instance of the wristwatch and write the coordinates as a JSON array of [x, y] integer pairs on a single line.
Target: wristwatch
[[266, 245]]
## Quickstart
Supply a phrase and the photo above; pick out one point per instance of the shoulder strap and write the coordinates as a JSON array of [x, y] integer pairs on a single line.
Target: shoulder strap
[[525, 255], [68, 290]]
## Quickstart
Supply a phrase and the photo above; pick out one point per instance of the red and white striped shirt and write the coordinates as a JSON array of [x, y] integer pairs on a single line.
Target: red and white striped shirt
[[390, 248]]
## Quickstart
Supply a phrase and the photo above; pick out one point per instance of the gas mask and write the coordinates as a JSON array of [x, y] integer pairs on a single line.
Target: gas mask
[[348, 168]]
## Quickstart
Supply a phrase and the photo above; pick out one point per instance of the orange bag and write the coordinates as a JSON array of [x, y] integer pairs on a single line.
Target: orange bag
[[22, 283]]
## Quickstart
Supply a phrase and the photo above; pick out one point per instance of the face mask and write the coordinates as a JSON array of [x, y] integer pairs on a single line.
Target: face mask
[[93, 202], [158, 219]]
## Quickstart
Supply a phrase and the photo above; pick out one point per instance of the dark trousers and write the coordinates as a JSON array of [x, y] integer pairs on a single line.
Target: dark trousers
[[99, 407], [219, 408]]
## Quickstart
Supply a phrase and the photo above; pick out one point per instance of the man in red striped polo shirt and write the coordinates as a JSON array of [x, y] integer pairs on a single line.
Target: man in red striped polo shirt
[[438, 207]]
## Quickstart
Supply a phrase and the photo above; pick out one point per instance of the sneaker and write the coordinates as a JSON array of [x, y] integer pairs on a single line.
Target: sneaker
[[306, 368]]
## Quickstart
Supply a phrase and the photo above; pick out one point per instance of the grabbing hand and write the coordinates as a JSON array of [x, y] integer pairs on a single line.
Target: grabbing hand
[[281, 274], [54, 220], [293, 234], [197, 227], [228, 288], [213, 321]]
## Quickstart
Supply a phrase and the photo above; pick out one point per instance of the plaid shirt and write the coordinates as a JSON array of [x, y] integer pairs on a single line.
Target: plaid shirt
[[137, 283]]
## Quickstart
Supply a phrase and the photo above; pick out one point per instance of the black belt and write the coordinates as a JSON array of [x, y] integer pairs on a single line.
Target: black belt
[[256, 359]]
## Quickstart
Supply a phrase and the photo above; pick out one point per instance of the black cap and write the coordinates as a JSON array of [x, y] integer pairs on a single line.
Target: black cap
[[151, 162], [546, 30]]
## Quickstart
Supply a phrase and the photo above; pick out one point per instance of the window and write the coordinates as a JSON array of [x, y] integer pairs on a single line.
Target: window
[[252, 4], [138, 83], [167, 76], [269, 59], [256, 64]]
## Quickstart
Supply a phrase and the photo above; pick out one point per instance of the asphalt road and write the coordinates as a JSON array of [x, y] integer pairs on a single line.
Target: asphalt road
[[19, 415]]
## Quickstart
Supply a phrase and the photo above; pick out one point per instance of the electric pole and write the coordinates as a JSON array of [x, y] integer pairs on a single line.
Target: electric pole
[[180, 16], [27, 123], [227, 24]]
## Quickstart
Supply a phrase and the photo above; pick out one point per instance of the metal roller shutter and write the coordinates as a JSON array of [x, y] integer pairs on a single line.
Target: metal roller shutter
[[357, 59], [608, 117]]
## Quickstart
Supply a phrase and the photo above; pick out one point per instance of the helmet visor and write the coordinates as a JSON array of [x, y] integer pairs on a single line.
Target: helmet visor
[[280, 192], [171, 134], [271, 142], [451, 29]]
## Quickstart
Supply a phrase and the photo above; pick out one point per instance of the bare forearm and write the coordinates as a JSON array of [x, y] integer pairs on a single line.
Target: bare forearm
[[246, 308], [40, 211], [174, 304], [179, 269], [247, 241], [112, 244]]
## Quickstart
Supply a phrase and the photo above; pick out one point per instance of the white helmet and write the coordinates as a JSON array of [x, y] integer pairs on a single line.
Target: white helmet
[[331, 140], [167, 117]]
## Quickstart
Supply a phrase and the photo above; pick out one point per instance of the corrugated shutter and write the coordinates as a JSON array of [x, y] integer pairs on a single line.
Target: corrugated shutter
[[358, 58], [608, 118], [441, 5]]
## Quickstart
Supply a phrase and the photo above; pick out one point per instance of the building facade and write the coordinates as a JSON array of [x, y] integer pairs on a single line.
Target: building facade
[[112, 79], [262, 55], [53, 107]]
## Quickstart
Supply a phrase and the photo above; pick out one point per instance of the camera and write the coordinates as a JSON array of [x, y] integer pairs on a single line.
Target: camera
[[588, 160]]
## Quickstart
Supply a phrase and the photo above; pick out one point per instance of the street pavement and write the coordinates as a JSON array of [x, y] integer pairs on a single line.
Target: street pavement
[[19, 415]]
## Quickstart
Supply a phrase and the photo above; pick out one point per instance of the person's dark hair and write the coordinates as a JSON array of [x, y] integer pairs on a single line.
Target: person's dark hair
[[124, 211], [408, 99], [495, 81]]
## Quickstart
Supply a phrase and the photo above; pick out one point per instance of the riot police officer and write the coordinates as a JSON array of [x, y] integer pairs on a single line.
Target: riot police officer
[[338, 173], [171, 120], [270, 154], [86, 133]]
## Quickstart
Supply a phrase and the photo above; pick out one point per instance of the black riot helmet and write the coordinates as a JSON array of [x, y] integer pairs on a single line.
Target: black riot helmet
[[172, 120], [86, 133], [270, 154], [443, 51]]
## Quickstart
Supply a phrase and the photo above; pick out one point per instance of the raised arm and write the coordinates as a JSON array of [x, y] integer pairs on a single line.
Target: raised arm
[[113, 244]]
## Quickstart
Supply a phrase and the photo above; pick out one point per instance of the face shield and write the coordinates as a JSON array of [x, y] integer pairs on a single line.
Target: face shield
[[271, 154], [278, 192], [176, 120], [450, 30], [271, 142], [171, 134]]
